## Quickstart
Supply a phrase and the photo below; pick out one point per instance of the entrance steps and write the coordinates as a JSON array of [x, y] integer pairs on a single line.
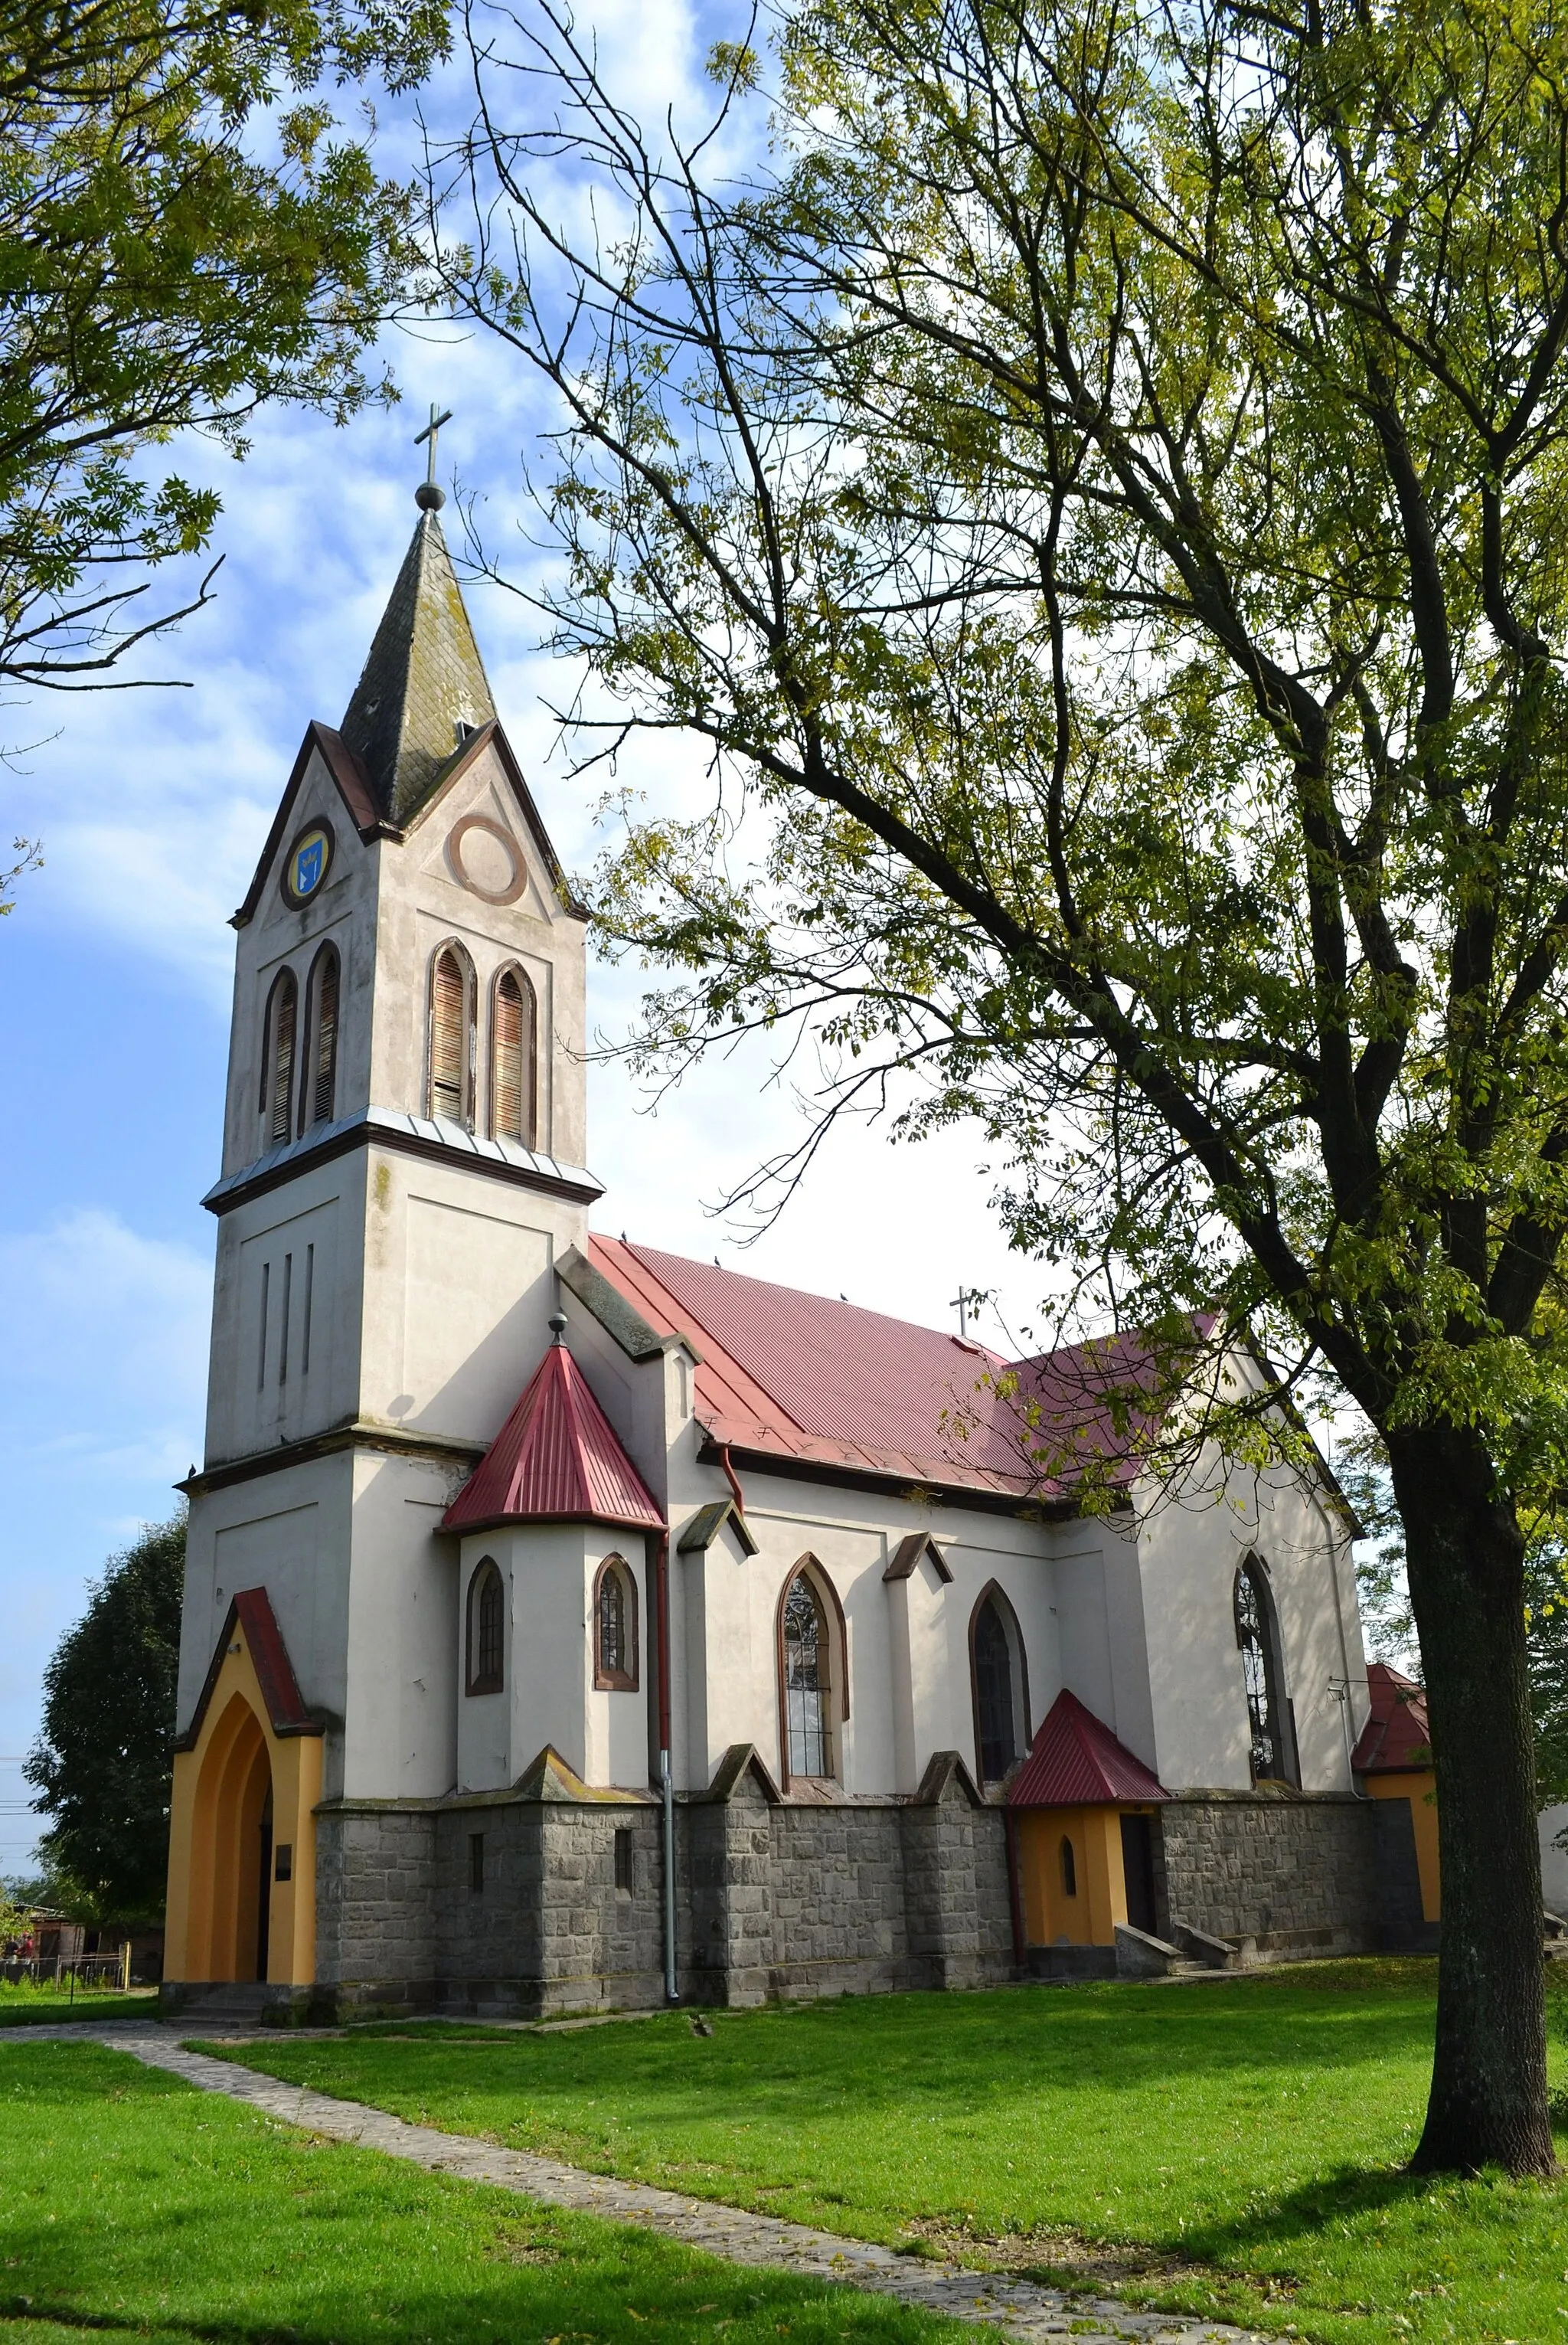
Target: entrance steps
[[250, 2003]]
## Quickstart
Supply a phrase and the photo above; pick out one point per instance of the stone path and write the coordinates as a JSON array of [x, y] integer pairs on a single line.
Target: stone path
[[1017, 2307]]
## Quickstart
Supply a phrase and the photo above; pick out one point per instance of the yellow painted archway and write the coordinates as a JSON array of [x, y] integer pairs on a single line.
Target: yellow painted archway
[[242, 1823]]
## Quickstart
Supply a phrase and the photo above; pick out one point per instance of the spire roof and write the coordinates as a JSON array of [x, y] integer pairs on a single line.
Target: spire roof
[[557, 1459], [424, 687]]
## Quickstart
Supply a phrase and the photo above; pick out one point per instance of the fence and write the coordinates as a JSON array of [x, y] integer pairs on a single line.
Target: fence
[[91, 1972]]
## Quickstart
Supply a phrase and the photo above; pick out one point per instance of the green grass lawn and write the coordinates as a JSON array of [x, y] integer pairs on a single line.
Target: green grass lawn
[[131, 2204], [23, 2004], [1255, 2126]]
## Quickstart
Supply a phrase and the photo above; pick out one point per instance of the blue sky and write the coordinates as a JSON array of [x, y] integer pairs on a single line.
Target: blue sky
[[116, 968]]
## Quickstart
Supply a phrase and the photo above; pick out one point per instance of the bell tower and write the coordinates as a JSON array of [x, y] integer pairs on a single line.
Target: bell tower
[[401, 1169]]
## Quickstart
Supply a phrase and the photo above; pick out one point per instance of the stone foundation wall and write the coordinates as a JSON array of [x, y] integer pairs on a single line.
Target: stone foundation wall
[[773, 1897], [865, 1896], [376, 1898], [800, 1897], [1292, 1873]]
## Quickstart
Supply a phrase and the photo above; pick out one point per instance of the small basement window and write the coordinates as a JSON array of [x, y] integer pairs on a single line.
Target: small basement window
[[1069, 1869], [476, 1862], [623, 1859]]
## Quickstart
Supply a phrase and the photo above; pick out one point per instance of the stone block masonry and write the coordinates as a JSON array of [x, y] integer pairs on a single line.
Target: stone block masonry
[[527, 1906], [1284, 1874]]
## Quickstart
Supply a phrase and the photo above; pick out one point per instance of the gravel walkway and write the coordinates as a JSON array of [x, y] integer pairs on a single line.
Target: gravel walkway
[[1017, 2307]]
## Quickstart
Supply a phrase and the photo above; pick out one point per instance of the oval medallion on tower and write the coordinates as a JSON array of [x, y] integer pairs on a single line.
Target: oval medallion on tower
[[309, 861], [485, 860]]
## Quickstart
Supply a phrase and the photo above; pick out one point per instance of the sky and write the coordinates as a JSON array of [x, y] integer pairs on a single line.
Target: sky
[[116, 969]]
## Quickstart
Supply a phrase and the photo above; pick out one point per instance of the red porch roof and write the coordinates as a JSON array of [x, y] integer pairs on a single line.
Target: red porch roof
[[1077, 1763], [1397, 1737], [557, 1459], [251, 1609]]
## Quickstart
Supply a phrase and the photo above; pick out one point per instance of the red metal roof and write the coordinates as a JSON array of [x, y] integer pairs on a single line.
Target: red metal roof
[[1077, 1763], [800, 1376], [557, 1459], [251, 1610], [1396, 1739]]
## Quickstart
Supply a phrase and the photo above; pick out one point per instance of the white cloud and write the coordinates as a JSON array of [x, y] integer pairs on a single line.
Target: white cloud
[[115, 1355]]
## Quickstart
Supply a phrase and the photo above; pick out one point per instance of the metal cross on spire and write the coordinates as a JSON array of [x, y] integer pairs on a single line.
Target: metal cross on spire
[[430, 496]]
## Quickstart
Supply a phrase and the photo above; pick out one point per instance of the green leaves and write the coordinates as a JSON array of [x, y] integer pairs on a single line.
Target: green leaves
[[160, 270], [1101, 494]]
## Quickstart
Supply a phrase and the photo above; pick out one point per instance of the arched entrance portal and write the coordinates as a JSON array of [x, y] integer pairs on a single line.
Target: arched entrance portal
[[232, 1845], [242, 1826]]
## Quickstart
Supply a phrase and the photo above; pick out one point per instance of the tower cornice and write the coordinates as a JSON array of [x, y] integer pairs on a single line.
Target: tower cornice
[[507, 1161]]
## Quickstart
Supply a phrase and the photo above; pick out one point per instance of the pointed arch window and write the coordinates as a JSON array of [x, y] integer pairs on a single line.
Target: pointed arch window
[[814, 1690], [279, 1036], [1272, 1744], [614, 1628], [805, 1679], [319, 1098], [486, 1631], [451, 1036], [513, 1058], [1000, 1686]]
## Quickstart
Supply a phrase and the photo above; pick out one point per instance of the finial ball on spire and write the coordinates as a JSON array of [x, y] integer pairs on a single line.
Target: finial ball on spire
[[557, 1323], [428, 496]]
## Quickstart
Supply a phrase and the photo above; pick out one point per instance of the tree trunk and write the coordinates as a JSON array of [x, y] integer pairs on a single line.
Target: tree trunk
[[1465, 1556]]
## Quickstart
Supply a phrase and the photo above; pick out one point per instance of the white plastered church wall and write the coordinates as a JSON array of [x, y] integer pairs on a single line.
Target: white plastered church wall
[[343, 912], [549, 1572], [423, 902], [1191, 1541], [400, 1630]]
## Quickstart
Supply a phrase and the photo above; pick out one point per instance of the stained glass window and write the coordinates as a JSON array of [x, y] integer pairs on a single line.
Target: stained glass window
[[612, 1654], [805, 1679]]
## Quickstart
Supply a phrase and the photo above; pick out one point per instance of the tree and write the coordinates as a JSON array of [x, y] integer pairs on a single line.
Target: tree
[[1100, 491], [1361, 1469], [176, 249], [105, 1760]]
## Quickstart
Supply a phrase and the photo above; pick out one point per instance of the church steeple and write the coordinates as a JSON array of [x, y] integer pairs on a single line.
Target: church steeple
[[424, 687]]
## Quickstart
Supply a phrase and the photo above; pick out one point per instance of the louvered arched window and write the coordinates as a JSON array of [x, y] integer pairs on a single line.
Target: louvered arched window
[[451, 1031], [486, 1670], [318, 1098], [277, 1057], [513, 1029]]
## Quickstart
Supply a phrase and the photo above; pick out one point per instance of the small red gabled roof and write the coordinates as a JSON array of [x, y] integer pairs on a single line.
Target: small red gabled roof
[[1397, 1737], [557, 1459], [1077, 1763], [251, 1609]]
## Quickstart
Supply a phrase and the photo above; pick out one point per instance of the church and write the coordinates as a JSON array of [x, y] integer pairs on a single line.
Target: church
[[569, 1625]]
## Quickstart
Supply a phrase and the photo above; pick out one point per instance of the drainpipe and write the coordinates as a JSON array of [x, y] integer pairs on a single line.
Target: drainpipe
[[666, 1788], [1014, 1899], [730, 1476]]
